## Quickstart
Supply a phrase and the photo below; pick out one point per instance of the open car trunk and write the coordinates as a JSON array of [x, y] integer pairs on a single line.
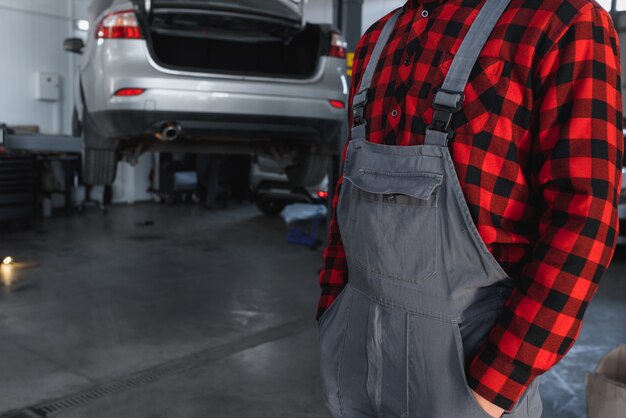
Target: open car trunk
[[230, 38]]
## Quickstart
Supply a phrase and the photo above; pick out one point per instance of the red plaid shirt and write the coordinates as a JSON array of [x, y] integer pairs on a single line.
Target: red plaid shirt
[[538, 149]]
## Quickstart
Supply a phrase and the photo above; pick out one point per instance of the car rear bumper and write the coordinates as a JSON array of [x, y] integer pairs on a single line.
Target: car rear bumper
[[134, 124]]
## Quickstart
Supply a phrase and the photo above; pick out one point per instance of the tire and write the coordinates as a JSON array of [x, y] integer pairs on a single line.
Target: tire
[[309, 170], [99, 156], [99, 166], [270, 207]]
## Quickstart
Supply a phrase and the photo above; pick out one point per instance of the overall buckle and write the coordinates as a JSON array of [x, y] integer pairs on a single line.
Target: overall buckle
[[358, 108], [442, 116], [357, 114]]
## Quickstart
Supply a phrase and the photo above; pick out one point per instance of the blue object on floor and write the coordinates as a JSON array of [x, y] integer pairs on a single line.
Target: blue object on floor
[[311, 239]]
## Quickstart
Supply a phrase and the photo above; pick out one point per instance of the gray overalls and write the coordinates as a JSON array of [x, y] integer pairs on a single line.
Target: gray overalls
[[423, 289]]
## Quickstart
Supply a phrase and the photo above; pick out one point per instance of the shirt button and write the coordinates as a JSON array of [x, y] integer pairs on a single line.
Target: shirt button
[[407, 62], [424, 13], [394, 113]]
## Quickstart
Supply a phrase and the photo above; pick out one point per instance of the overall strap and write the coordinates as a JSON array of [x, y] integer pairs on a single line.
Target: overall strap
[[449, 97], [360, 99]]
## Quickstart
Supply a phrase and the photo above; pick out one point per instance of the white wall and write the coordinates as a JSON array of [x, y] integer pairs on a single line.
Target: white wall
[[31, 40], [321, 11], [318, 11], [54, 8], [375, 9], [80, 8]]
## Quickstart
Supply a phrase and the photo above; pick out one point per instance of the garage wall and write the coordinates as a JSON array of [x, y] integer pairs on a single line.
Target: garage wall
[[375, 9], [321, 11], [31, 39], [80, 8], [318, 11]]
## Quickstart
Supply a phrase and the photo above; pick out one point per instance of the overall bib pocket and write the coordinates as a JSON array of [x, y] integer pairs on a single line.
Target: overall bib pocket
[[389, 223]]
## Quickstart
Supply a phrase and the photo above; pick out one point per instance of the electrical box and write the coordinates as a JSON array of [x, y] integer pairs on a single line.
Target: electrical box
[[48, 87]]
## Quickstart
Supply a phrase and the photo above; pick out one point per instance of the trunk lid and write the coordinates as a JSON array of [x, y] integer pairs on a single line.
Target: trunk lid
[[288, 10], [236, 20]]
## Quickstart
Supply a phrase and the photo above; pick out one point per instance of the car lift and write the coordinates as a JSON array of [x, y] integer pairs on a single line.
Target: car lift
[[50, 143], [39, 142]]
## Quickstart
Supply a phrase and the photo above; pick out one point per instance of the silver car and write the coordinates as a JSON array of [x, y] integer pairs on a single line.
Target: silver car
[[209, 76]]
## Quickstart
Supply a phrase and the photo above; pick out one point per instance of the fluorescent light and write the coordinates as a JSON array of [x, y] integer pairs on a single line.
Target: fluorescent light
[[82, 25]]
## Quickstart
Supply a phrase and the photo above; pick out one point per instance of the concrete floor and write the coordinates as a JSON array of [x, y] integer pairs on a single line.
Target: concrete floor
[[200, 314]]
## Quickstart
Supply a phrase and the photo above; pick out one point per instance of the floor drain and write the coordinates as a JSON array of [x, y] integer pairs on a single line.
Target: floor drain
[[156, 373], [146, 237], [21, 414]]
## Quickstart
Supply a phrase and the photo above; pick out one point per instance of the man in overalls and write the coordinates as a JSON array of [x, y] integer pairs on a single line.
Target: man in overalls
[[477, 210]]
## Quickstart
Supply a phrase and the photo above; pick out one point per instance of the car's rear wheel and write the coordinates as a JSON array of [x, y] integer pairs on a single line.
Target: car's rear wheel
[[270, 207], [309, 170], [99, 156], [99, 166]]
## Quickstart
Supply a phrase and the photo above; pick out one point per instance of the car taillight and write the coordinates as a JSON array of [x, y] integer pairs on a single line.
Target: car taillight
[[119, 25], [338, 46], [337, 104], [322, 195], [129, 92]]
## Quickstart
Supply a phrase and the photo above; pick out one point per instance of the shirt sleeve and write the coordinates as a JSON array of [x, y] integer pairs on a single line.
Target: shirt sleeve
[[334, 275], [575, 169]]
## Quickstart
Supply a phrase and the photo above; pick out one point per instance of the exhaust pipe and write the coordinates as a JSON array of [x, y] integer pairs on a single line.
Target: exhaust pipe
[[170, 131]]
